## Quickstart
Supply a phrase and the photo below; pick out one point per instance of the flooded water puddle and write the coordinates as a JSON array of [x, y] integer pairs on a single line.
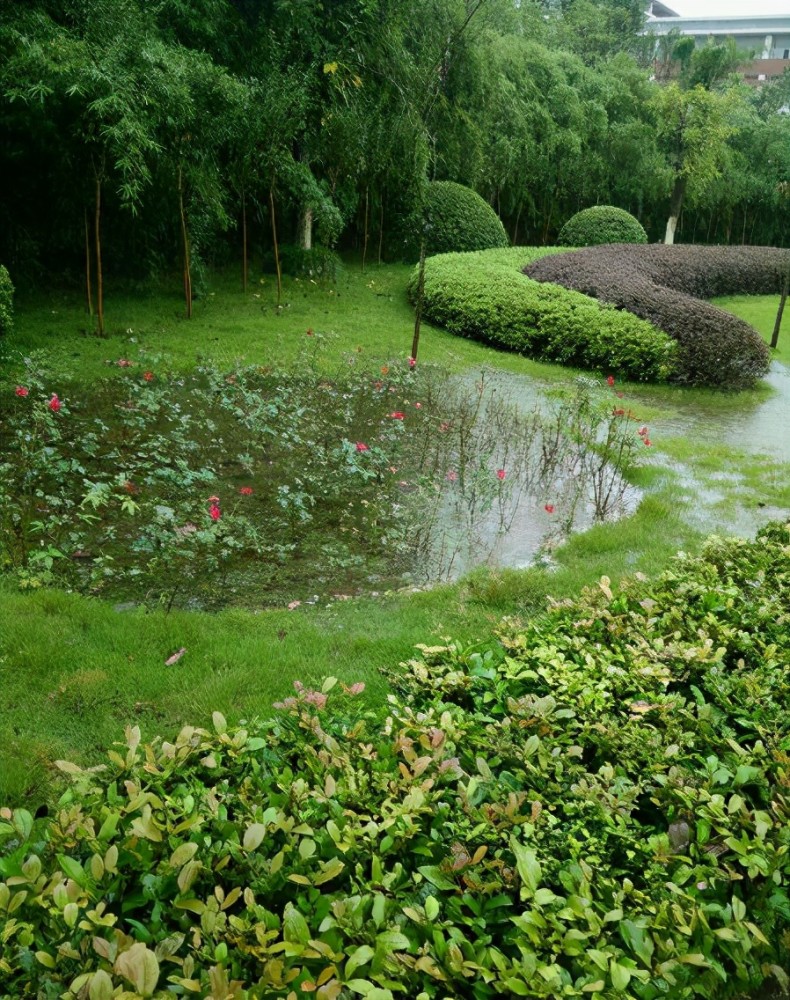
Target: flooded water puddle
[[558, 465], [713, 498], [760, 427]]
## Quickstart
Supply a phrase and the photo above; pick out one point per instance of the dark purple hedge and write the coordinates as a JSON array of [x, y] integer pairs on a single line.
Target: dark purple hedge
[[666, 285]]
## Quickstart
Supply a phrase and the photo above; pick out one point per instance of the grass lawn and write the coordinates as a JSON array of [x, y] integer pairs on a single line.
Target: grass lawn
[[74, 671]]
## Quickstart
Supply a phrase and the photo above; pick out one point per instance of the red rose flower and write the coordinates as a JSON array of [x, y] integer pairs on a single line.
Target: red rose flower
[[246, 491], [412, 362], [397, 415], [21, 390], [500, 473], [54, 403], [148, 376], [549, 508], [610, 379], [361, 446], [214, 512]]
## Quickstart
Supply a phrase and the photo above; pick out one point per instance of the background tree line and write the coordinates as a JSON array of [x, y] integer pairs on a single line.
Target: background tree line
[[142, 136]]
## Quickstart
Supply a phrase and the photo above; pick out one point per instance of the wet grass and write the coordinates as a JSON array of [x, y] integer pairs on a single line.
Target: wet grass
[[74, 671], [760, 311]]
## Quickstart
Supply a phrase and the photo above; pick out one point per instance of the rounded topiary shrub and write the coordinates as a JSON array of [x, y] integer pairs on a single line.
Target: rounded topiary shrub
[[601, 224], [458, 219]]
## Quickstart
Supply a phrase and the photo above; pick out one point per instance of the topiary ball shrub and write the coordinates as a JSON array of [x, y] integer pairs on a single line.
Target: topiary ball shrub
[[457, 218], [6, 301], [601, 224]]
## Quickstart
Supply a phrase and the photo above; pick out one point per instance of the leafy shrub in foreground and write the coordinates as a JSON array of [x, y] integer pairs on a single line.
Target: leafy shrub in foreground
[[600, 804], [484, 296], [6, 301], [459, 219], [601, 224], [666, 285]]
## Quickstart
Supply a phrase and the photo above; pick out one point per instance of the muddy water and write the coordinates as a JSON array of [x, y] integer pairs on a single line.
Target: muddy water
[[529, 532], [530, 525], [761, 427]]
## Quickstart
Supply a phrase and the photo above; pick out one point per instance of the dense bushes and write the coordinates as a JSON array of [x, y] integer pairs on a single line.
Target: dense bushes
[[483, 295], [601, 224], [665, 285], [6, 301], [457, 219], [598, 804]]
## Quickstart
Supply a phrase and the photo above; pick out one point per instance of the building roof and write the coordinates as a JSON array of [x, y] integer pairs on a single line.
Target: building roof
[[658, 9], [765, 24]]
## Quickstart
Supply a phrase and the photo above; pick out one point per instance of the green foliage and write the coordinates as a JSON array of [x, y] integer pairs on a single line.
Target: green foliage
[[601, 224], [6, 301], [598, 802], [248, 485], [458, 219], [318, 262], [484, 295], [666, 285]]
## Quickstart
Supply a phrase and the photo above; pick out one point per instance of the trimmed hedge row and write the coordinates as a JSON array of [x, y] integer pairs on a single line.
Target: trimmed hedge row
[[484, 296], [596, 805], [458, 219], [601, 224], [665, 285]]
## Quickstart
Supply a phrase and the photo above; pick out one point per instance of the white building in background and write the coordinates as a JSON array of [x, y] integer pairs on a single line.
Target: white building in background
[[764, 39]]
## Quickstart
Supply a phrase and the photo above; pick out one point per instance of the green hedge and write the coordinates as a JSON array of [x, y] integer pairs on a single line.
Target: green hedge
[[6, 301], [666, 286], [598, 805], [485, 296], [601, 224], [458, 219]]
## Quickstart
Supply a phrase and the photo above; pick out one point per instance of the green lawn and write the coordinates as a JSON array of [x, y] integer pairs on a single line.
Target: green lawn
[[74, 671]]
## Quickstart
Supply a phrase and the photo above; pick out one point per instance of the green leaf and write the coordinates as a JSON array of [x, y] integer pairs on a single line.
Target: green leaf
[[140, 967], [360, 957], [432, 908], [437, 877], [295, 927], [253, 836], [389, 941], [182, 854], [74, 870], [527, 864], [621, 976]]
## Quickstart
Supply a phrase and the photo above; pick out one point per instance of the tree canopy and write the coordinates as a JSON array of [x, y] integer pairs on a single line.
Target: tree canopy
[[143, 137]]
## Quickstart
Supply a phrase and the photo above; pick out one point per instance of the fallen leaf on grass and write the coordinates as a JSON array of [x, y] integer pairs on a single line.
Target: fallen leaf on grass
[[175, 657]]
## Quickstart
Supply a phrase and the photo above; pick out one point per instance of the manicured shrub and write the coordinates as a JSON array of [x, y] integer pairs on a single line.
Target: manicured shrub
[[666, 285], [6, 301], [601, 224], [457, 219], [598, 803], [484, 296]]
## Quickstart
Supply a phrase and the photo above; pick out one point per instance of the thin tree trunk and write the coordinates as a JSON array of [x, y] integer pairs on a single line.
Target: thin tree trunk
[[99, 276], [782, 300], [88, 288], [306, 229], [381, 228], [276, 248], [675, 205], [185, 239], [515, 230], [415, 344], [365, 240], [244, 269], [743, 231]]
